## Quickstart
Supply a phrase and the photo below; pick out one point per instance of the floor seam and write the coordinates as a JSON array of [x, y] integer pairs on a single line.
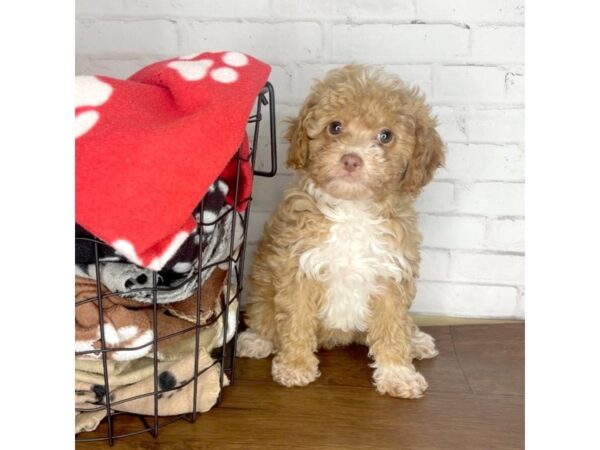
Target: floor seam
[[459, 361]]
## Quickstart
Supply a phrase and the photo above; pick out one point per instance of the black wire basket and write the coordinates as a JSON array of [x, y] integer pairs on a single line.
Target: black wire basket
[[223, 356]]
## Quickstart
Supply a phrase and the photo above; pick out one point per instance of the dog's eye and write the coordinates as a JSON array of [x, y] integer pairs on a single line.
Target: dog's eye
[[335, 127], [384, 136]]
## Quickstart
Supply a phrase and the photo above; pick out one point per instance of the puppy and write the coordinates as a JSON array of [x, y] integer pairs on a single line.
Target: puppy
[[339, 258]]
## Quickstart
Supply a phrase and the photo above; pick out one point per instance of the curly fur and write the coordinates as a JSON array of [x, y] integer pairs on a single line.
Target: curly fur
[[339, 258]]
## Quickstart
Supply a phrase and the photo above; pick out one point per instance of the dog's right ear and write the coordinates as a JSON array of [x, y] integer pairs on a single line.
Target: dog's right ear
[[297, 136]]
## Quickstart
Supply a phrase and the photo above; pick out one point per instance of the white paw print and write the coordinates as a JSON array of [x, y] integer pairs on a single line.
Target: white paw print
[[196, 70], [89, 91], [127, 249], [192, 70]]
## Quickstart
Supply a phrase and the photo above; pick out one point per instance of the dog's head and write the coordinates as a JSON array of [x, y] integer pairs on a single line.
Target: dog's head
[[363, 134]]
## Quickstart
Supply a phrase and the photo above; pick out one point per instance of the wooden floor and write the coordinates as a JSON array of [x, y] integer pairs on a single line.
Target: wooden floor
[[475, 401]]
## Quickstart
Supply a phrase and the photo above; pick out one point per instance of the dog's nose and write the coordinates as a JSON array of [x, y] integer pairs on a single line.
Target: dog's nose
[[351, 162]]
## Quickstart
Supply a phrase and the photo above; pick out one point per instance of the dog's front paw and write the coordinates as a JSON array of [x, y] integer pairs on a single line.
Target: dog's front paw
[[422, 346], [295, 372], [399, 381]]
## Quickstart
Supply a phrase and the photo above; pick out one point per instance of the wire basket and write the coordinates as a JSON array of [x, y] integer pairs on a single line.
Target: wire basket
[[227, 316]]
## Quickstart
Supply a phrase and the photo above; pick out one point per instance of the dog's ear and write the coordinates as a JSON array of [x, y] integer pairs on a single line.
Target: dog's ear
[[428, 153], [297, 136]]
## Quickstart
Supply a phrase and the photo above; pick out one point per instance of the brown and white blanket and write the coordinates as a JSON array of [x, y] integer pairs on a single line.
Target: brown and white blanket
[[136, 379], [133, 378], [128, 325]]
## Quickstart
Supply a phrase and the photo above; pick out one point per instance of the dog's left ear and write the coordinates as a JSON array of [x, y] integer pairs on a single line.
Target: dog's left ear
[[427, 156], [297, 135]]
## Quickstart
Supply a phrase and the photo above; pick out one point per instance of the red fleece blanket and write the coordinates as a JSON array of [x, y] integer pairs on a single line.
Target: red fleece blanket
[[149, 147]]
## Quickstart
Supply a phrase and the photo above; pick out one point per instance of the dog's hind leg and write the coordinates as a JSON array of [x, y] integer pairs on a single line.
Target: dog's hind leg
[[251, 345], [258, 341]]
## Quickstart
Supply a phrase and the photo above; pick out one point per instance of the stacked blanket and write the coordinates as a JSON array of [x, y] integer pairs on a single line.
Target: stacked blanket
[[129, 324], [156, 187], [178, 279], [135, 377], [148, 148]]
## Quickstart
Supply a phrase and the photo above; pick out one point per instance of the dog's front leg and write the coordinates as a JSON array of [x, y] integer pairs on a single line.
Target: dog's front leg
[[295, 363], [389, 341]]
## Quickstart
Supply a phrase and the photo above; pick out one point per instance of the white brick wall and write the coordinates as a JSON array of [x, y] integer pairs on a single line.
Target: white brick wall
[[466, 55]]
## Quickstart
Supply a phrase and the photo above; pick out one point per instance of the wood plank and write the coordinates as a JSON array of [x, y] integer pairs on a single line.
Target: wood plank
[[349, 366], [492, 357], [424, 320], [263, 416], [343, 411]]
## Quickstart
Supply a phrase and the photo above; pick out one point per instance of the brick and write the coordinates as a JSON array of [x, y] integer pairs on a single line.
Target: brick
[[304, 77], [306, 9], [414, 75], [268, 192], [249, 258], [515, 85], [84, 65], [451, 123], [228, 9], [468, 11], [306, 74], [475, 84], [491, 199], [257, 224], [434, 264], [248, 261], [281, 79], [466, 300], [96, 7], [117, 68], [497, 44], [273, 43], [386, 10], [505, 234], [452, 232], [156, 37], [520, 309], [484, 162], [495, 125], [260, 9], [498, 269], [383, 43], [436, 197], [284, 112], [263, 159]]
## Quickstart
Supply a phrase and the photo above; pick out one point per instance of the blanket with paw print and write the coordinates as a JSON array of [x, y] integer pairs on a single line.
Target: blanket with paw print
[[149, 147], [178, 278], [128, 324], [132, 384]]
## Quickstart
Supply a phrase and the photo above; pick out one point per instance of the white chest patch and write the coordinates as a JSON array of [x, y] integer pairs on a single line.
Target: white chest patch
[[350, 260]]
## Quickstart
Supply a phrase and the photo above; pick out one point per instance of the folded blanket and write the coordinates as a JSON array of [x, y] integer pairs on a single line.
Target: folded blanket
[[123, 373], [214, 206], [175, 382], [149, 147], [174, 284], [128, 379], [128, 323]]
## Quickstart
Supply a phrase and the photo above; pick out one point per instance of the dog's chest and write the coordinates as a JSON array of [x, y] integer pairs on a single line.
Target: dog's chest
[[357, 252]]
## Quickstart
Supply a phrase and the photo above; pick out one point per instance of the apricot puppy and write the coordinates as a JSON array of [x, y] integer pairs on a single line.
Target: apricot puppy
[[339, 258]]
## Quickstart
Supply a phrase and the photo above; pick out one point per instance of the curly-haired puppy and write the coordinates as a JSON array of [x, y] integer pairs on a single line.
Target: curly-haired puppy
[[339, 258]]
